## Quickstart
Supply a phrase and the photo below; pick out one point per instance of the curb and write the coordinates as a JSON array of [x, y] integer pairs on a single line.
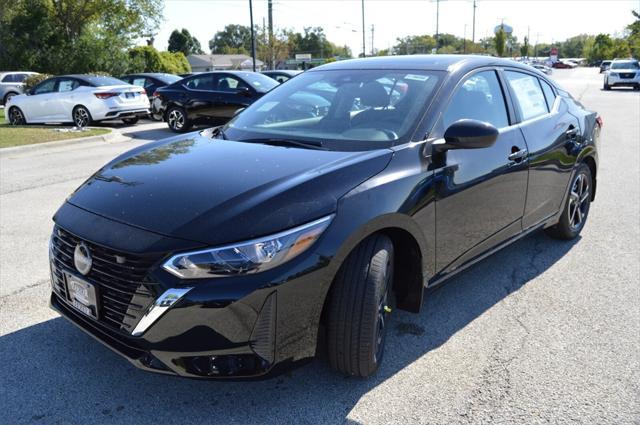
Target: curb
[[108, 137]]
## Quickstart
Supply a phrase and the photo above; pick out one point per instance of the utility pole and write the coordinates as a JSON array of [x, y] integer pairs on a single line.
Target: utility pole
[[464, 40], [372, 49], [272, 59], [437, 24], [473, 31], [253, 36], [364, 50]]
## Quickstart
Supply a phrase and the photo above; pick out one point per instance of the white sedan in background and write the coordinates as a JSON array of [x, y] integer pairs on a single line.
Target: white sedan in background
[[80, 99]]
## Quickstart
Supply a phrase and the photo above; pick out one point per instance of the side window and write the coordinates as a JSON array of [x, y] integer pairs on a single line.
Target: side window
[[230, 84], [21, 77], [8, 78], [549, 95], [67, 85], [46, 86], [479, 98], [206, 82], [139, 81], [528, 93]]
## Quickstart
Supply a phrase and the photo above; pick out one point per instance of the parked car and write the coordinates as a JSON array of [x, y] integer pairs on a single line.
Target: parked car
[[12, 83], [604, 65], [542, 68], [209, 97], [281, 75], [80, 99], [151, 82], [564, 64], [232, 251], [622, 73]]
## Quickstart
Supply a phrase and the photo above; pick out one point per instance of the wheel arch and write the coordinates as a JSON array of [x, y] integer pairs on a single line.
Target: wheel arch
[[591, 163], [6, 95]]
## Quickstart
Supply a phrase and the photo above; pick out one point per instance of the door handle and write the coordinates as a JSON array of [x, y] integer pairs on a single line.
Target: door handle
[[518, 155]]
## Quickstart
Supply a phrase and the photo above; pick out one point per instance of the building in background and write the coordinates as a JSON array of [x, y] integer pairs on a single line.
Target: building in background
[[204, 63]]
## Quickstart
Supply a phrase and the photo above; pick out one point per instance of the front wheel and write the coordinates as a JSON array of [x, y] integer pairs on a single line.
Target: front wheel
[[130, 121], [177, 120], [576, 209], [358, 308], [607, 86], [16, 117]]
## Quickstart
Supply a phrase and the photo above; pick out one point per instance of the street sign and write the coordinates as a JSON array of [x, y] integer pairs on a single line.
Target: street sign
[[303, 56], [554, 54]]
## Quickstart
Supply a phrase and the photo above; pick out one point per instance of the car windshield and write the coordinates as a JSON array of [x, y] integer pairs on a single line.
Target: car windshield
[[374, 108], [168, 78], [625, 65], [98, 81], [260, 82]]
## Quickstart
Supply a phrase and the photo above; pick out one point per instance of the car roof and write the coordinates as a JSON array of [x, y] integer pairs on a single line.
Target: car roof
[[283, 71], [147, 74], [422, 62]]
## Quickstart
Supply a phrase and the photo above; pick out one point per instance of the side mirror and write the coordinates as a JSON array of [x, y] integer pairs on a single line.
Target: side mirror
[[244, 91], [468, 134]]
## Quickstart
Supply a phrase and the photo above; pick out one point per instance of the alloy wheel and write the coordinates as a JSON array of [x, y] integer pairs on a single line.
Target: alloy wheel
[[578, 201], [81, 117], [176, 119], [16, 117]]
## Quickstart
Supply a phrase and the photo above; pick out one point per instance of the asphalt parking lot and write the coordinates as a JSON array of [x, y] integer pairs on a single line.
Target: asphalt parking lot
[[542, 332]]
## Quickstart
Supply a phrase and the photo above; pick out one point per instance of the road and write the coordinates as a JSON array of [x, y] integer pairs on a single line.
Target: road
[[541, 332]]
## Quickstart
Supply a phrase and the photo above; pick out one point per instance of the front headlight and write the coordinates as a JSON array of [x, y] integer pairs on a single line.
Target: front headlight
[[613, 74], [247, 257]]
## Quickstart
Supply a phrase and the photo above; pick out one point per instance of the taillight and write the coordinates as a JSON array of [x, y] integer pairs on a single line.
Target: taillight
[[599, 121], [106, 95], [141, 91]]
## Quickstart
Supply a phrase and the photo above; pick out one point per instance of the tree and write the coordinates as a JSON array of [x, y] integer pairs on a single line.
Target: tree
[[414, 44], [620, 48], [499, 41], [174, 63], [183, 41], [602, 48], [634, 35], [144, 59], [232, 39], [524, 49]]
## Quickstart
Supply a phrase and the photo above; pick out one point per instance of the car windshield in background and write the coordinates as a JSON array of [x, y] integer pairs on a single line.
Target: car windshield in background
[[260, 82], [169, 78], [378, 107], [98, 81], [625, 65]]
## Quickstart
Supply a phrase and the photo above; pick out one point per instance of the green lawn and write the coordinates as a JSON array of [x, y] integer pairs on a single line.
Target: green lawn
[[30, 134]]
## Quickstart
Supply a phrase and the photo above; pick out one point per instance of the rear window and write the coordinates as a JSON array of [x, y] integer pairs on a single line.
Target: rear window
[[98, 81], [168, 78]]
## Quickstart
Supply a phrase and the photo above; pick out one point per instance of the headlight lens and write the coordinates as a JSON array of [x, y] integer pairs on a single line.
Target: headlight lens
[[613, 74], [248, 257]]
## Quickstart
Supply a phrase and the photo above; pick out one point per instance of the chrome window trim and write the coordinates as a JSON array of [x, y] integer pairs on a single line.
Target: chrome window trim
[[159, 307]]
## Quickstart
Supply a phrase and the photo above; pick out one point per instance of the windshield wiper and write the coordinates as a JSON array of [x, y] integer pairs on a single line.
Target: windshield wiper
[[307, 144]]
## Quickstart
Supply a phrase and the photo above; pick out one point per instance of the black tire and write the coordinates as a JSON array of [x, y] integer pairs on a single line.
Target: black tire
[[357, 310], [16, 116], [8, 96], [130, 121], [573, 218], [81, 117], [177, 120], [607, 86]]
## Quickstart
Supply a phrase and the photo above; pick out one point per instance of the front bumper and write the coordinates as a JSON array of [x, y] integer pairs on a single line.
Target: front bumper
[[617, 81], [237, 327]]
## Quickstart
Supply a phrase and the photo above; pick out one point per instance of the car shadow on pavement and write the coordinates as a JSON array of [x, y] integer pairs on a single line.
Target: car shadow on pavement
[[54, 373]]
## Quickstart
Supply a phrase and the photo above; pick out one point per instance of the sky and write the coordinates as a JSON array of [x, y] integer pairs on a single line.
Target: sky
[[545, 21]]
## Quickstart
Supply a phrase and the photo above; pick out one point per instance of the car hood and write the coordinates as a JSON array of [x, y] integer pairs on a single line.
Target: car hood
[[217, 191]]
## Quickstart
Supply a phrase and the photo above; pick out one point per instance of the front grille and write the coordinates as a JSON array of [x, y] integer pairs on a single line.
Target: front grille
[[123, 288], [628, 75]]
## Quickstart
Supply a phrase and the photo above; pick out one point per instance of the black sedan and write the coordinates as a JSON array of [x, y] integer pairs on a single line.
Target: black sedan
[[151, 82], [281, 75], [232, 251], [209, 97]]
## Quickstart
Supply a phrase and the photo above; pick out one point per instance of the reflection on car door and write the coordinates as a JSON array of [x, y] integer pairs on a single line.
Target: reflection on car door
[[37, 104], [199, 97], [480, 192], [551, 132]]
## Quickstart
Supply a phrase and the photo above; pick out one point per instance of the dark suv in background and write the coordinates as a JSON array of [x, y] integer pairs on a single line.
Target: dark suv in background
[[209, 98]]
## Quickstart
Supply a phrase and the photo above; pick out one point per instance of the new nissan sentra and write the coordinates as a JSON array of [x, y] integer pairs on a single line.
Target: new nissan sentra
[[230, 252]]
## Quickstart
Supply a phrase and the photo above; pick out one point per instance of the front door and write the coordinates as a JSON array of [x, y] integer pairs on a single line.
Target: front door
[[481, 193]]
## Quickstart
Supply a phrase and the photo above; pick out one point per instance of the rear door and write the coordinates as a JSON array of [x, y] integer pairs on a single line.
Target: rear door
[[63, 100], [234, 94], [480, 192], [551, 133]]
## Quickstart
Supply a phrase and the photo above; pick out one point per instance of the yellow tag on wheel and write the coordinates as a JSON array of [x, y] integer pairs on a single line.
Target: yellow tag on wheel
[[387, 309]]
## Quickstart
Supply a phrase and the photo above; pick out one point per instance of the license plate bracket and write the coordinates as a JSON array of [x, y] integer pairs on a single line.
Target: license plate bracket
[[82, 295]]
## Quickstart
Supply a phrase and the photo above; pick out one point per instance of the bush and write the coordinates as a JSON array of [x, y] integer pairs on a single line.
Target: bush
[[33, 80], [174, 63], [144, 59]]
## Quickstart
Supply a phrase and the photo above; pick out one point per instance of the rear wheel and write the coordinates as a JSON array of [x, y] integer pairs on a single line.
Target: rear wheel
[[8, 96], [358, 309], [81, 116], [177, 120], [130, 121], [16, 117], [576, 208]]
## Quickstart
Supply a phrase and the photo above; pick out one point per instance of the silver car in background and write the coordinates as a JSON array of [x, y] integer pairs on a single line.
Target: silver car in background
[[622, 73], [11, 84]]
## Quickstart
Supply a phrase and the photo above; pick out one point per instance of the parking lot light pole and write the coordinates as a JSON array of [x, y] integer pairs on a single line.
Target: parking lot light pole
[[253, 37], [364, 49]]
